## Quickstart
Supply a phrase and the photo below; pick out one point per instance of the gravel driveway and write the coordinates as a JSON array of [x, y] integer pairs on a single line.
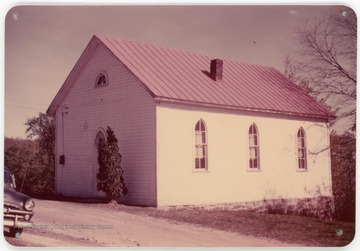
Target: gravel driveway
[[63, 224]]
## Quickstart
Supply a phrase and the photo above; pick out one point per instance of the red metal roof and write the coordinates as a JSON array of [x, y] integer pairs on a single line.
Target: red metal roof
[[184, 77]]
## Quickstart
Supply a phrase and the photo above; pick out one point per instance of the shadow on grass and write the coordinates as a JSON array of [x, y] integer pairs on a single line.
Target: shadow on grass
[[57, 197], [96, 200]]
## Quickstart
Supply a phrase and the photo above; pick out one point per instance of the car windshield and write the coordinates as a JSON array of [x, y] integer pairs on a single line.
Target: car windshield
[[7, 178]]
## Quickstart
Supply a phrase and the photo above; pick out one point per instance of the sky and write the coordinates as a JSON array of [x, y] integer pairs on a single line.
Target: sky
[[43, 43]]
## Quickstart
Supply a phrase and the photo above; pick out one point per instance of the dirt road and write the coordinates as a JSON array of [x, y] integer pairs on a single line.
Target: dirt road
[[64, 224]]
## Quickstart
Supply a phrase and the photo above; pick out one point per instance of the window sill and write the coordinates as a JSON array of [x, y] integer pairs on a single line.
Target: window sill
[[254, 170], [100, 86], [301, 170], [200, 171]]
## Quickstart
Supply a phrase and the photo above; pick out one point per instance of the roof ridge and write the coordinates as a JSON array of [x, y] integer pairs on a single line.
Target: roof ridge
[[182, 51]]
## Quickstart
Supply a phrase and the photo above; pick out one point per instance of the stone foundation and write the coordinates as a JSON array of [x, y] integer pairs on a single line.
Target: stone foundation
[[319, 207]]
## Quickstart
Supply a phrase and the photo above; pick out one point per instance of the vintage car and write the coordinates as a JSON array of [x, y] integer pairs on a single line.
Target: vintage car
[[18, 207]]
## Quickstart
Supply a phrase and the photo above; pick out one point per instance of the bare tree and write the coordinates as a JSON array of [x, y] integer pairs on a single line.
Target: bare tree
[[325, 67], [326, 63]]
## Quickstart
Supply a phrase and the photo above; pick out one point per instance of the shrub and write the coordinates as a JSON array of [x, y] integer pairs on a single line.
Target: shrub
[[110, 176]]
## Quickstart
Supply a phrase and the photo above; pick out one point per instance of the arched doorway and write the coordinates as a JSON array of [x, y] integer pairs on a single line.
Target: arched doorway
[[99, 136]]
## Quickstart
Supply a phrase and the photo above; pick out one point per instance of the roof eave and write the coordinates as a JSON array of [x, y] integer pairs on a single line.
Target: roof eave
[[327, 117]]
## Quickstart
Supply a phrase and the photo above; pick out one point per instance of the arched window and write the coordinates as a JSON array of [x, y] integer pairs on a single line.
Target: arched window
[[99, 136], [254, 158], [200, 146], [301, 145], [101, 80]]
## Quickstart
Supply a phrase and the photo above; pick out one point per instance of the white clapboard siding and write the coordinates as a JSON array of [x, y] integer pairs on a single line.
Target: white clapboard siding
[[228, 178], [124, 105]]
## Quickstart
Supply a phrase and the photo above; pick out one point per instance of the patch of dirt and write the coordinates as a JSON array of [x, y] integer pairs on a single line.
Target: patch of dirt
[[66, 224]]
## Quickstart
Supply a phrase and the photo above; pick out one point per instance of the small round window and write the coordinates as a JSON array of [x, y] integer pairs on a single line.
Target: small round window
[[101, 80]]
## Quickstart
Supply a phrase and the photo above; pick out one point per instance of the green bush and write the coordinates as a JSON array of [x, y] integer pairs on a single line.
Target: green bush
[[32, 176], [343, 151], [110, 176], [33, 160]]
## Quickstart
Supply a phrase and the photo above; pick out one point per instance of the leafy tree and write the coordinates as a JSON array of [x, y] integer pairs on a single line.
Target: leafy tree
[[325, 64], [110, 178], [33, 160], [43, 129], [19, 156], [343, 151], [22, 157]]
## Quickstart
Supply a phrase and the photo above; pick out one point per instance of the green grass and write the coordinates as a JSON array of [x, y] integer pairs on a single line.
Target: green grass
[[298, 230]]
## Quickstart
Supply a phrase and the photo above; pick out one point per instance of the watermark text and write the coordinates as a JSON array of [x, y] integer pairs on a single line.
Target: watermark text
[[70, 226]]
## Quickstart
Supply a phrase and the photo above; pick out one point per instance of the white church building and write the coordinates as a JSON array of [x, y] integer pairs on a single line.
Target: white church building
[[192, 130]]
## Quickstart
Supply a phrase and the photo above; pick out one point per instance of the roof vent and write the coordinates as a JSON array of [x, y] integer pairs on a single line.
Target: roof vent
[[216, 69]]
